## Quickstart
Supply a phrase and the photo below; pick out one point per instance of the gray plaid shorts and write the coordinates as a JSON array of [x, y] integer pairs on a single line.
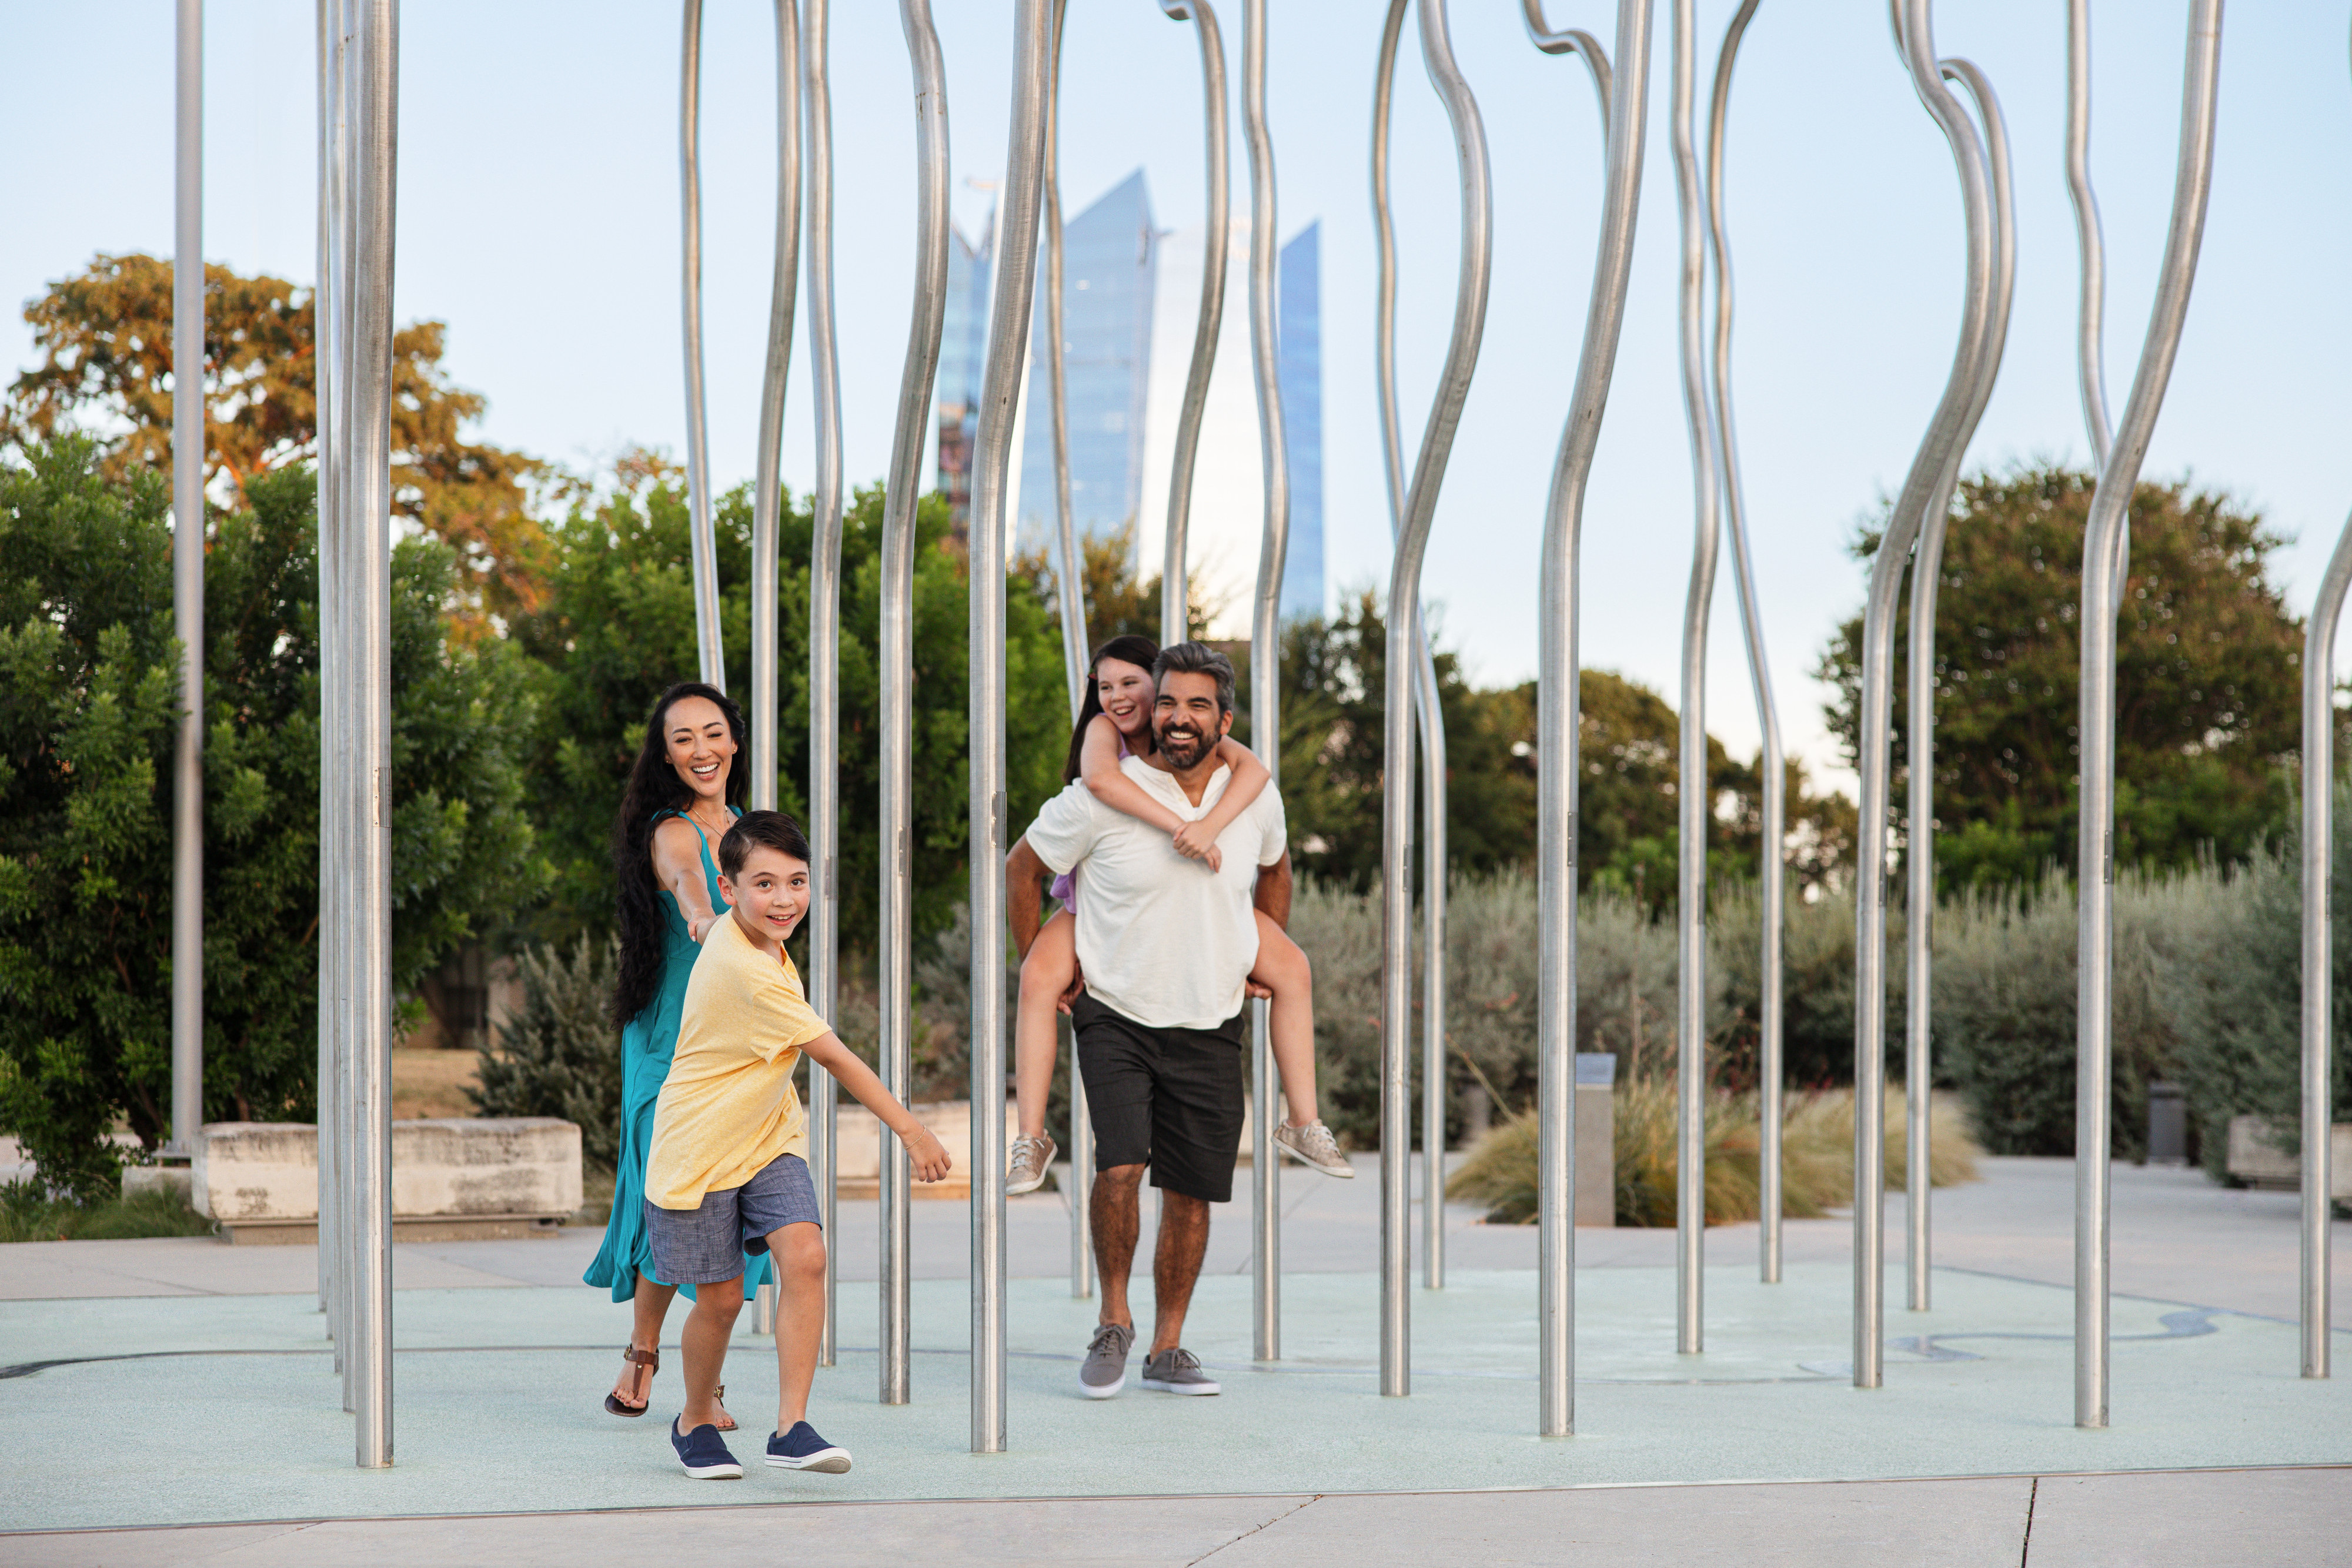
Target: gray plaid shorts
[[703, 1246]]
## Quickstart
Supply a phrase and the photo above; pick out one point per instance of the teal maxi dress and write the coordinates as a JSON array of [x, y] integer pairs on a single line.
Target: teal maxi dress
[[647, 1045]]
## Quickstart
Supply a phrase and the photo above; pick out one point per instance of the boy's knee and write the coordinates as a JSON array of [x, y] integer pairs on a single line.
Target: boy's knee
[[802, 1256]]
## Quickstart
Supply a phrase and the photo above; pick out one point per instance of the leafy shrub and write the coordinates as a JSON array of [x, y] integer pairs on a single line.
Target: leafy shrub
[[29, 1213], [561, 1055]]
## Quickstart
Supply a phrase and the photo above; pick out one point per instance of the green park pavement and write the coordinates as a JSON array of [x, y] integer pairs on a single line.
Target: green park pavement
[[224, 1408]]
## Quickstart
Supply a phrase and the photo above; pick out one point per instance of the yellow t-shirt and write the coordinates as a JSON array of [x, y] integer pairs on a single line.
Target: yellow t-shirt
[[728, 1110]]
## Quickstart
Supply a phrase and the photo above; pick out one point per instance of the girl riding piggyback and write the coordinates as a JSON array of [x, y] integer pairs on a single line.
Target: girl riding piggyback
[[1114, 723]]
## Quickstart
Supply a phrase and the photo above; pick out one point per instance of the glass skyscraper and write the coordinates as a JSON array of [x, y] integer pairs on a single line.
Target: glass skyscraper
[[1298, 334], [1108, 267], [964, 350]]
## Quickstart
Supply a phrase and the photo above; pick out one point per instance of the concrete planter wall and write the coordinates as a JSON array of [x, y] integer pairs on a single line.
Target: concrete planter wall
[[2255, 1161], [451, 1179]]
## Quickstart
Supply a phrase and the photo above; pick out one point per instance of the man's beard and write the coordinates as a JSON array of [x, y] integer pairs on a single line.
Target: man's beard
[[1184, 748]]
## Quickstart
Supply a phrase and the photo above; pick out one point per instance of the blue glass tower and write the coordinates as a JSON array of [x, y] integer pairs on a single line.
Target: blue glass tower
[[1298, 332], [964, 350], [1108, 267]]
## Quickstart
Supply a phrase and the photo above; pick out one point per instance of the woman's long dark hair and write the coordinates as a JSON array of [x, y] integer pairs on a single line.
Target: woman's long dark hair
[[1129, 650], [653, 787]]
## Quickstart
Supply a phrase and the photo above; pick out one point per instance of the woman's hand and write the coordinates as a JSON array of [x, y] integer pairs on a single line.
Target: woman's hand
[[929, 1155], [1195, 841]]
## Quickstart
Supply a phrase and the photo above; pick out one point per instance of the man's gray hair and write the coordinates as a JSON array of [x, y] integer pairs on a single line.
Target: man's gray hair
[[1197, 658]]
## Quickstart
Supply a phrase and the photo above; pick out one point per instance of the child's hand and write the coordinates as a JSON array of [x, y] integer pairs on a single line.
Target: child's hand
[[929, 1155], [698, 927], [1193, 841]]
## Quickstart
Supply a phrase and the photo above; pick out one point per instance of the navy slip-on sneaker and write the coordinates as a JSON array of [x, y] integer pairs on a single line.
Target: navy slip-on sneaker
[[704, 1455], [802, 1449]]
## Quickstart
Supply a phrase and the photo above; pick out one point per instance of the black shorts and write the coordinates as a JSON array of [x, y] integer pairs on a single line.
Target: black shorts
[[1168, 1098]]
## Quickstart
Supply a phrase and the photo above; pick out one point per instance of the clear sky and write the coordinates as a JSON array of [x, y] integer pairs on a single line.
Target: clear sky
[[539, 217]]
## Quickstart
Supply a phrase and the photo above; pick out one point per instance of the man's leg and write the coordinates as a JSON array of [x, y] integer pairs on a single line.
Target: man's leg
[[1175, 1265], [1115, 1210], [707, 1329]]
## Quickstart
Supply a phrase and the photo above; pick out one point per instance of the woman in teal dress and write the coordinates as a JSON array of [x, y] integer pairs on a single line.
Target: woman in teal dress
[[683, 792]]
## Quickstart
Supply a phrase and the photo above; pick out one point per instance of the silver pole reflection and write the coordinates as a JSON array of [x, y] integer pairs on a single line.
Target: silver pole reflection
[[1694, 796], [1938, 453], [1070, 585], [895, 959], [1266, 662], [703, 544], [824, 629], [1773, 856], [1430, 729], [1404, 591], [1625, 113], [2103, 588], [1926, 576], [188, 585], [1000, 401], [1174, 623], [2319, 945]]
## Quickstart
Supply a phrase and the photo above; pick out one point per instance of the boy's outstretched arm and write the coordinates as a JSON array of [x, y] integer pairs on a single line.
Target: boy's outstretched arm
[[930, 1158], [1249, 781], [1099, 769]]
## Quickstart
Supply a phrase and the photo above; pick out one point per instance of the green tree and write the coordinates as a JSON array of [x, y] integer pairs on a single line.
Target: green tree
[[88, 717], [617, 628], [2207, 683]]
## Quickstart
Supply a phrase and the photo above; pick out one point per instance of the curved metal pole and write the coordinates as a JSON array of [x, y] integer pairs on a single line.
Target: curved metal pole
[[1265, 664], [1570, 41], [815, 107], [2319, 944], [702, 543], [1557, 717], [1773, 858], [2102, 592], [2088, 238], [188, 583], [1938, 451], [1000, 401], [1927, 567], [895, 963], [1694, 796], [1070, 583], [767, 483], [1426, 700], [325, 379], [1404, 590], [1174, 621]]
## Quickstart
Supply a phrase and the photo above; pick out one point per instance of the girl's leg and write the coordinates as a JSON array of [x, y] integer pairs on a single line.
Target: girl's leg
[[1036, 1040], [1282, 968], [799, 1253]]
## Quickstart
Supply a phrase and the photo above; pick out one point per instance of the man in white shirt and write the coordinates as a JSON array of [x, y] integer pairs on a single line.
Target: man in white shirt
[[1165, 947]]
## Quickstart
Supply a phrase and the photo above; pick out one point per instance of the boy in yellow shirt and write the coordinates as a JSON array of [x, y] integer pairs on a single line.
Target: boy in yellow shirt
[[728, 1172]]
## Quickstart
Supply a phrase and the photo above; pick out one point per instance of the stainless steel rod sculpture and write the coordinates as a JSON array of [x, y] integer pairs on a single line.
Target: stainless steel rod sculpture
[[1938, 454], [1404, 591], [894, 962], [767, 493], [825, 632], [1694, 796], [2104, 544], [1624, 104], [366, 783], [1174, 626], [1430, 729], [2319, 945], [1070, 584], [2089, 241], [1926, 569], [188, 585], [1000, 404], [1265, 664], [703, 543], [1774, 857], [325, 383]]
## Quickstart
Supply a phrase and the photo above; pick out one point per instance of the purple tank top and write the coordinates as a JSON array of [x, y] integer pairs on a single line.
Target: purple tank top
[[1065, 885]]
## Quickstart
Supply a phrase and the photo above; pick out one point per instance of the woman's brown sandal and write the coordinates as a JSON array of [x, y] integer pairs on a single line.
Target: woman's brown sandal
[[719, 1397], [649, 1362]]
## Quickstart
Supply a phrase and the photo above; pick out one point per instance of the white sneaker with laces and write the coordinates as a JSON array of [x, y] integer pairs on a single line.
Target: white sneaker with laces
[[1313, 1145]]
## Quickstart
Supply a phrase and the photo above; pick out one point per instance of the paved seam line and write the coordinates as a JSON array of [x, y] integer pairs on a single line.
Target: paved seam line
[[1245, 1534], [2025, 1547]]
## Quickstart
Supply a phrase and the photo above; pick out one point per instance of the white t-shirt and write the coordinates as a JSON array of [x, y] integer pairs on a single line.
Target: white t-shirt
[[1162, 939]]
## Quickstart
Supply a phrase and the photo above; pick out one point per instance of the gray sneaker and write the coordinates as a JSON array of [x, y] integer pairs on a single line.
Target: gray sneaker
[[1177, 1371], [1313, 1145], [1026, 1164], [1104, 1373]]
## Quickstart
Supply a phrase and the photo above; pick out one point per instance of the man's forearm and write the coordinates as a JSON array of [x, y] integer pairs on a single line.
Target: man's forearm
[[1023, 894], [1272, 895]]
